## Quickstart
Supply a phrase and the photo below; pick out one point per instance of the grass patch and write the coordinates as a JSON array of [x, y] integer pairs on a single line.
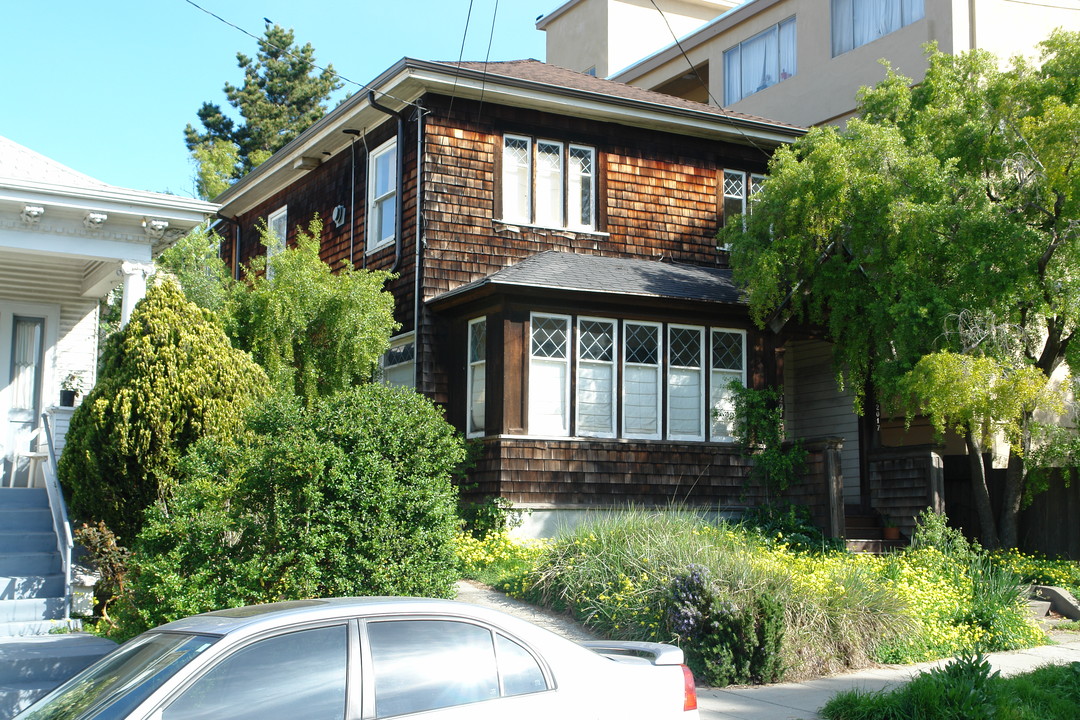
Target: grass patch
[[966, 689]]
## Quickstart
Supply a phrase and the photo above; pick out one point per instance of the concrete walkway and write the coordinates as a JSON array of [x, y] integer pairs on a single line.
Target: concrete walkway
[[796, 700]]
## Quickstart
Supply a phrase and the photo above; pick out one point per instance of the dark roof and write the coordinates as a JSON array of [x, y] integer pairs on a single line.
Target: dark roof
[[554, 270], [540, 72]]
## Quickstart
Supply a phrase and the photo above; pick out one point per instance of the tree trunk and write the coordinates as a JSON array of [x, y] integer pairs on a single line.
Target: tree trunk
[[980, 493], [1010, 507]]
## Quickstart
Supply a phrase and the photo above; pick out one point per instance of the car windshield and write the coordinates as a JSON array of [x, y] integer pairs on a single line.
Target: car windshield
[[118, 682]]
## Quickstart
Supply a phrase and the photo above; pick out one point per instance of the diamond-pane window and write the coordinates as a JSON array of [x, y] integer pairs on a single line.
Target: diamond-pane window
[[727, 350], [550, 156], [685, 350], [548, 337], [642, 344], [596, 341], [583, 159], [517, 150], [478, 342], [734, 184]]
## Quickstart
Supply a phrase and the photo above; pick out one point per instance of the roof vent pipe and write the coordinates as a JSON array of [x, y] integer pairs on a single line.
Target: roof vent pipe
[[399, 201]]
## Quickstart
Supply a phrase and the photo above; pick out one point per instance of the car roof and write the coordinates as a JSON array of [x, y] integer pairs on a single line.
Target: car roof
[[255, 618]]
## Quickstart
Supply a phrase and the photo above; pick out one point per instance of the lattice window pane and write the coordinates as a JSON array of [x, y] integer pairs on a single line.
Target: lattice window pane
[[478, 342], [548, 337], [596, 341], [685, 348], [727, 350], [734, 184], [642, 344], [516, 150]]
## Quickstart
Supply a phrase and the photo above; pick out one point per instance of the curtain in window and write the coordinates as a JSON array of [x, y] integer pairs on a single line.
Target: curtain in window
[[872, 19], [596, 378], [549, 169], [787, 49], [549, 370], [759, 57], [26, 363], [732, 76], [516, 180]]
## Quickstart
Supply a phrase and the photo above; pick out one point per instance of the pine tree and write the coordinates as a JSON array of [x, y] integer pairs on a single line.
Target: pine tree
[[281, 96]]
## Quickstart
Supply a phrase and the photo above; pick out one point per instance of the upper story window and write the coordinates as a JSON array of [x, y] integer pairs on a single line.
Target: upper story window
[[278, 225], [739, 190], [857, 22], [382, 195], [763, 60], [548, 183]]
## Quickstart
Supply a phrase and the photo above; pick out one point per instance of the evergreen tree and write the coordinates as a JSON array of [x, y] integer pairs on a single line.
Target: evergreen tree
[[281, 96]]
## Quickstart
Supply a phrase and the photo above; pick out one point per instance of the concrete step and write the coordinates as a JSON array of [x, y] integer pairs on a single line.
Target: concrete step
[[31, 586], [28, 628], [1038, 608], [22, 498], [32, 666], [19, 542], [874, 546], [29, 609], [29, 563], [26, 520]]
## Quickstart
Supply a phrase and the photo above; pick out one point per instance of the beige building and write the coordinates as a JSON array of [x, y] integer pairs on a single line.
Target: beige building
[[800, 61]]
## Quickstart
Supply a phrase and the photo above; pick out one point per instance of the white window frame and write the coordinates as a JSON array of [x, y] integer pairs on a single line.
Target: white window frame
[[613, 366], [401, 341], [536, 211], [733, 61], [472, 364], [278, 228], [719, 401], [377, 203], [842, 21], [670, 372], [658, 368], [536, 391]]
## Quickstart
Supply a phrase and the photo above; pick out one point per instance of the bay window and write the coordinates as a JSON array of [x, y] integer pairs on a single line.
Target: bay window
[[760, 62], [858, 22], [548, 183], [477, 377]]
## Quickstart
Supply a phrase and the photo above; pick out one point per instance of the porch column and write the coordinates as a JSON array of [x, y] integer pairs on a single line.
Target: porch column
[[135, 275]]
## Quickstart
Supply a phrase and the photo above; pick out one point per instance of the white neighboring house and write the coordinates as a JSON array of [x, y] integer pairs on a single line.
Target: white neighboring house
[[66, 240]]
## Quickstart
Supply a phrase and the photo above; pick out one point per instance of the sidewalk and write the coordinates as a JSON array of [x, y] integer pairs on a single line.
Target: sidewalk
[[787, 701]]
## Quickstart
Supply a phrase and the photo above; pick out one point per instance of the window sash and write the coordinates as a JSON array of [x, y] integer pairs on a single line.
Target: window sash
[[686, 383], [596, 378], [399, 362], [549, 375], [476, 382], [382, 195], [723, 369], [642, 394], [581, 187], [517, 179], [548, 183]]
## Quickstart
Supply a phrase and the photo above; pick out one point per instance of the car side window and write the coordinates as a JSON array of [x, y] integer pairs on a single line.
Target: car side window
[[298, 674], [518, 669], [427, 664]]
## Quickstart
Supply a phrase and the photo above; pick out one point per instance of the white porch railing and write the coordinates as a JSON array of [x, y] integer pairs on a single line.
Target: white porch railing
[[58, 507]]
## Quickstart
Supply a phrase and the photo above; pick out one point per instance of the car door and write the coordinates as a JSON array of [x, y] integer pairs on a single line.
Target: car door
[[450, 669]]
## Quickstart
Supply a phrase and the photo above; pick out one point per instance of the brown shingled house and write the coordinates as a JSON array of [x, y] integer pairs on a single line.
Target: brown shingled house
[[559, 285]]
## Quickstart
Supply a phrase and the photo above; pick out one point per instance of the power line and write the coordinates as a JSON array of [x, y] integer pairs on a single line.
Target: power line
[[286, 51]]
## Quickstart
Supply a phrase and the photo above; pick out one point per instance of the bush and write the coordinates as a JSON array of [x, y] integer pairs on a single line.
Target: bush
[[348, 496], [167, 379]]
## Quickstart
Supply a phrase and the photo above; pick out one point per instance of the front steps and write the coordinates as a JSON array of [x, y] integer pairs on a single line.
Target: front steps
[[32, 598], [864, 534]]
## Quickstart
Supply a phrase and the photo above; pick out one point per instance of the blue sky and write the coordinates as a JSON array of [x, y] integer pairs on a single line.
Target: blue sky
[[107, 87]]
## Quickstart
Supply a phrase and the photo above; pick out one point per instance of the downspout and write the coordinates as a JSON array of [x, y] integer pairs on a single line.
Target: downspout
[[236, 243], [417, 309], [398, 201], [352, 191]]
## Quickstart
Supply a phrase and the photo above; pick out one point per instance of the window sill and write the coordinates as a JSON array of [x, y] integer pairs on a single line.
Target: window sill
[[565, 232], [380, 246], [619, 440]]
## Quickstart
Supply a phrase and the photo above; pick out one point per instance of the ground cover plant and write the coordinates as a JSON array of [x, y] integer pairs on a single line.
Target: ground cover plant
[[748, 607], [966, 689]]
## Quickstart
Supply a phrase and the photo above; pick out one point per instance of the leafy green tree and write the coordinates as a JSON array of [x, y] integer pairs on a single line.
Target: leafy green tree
[[195, 261], [958, 196], [281, 96], [314, 331], [350, 495], [167, 379]]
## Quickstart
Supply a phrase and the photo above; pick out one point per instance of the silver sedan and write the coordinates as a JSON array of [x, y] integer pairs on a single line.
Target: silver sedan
[[366, 658]]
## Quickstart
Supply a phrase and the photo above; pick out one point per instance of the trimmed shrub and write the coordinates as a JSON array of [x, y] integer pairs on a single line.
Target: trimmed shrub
[[167, 379], [350, 495]]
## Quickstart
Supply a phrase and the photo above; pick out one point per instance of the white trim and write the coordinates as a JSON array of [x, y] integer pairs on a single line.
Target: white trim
[[613, 364], [671, 369], [536, 362], [659, 371], [470, 431], [374, 241]]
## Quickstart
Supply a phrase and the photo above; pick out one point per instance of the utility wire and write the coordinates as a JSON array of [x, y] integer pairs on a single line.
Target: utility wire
[[461, 55], [487, 57], [263, 40]]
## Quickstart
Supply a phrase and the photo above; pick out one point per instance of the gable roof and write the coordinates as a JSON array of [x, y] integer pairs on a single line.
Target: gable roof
[[555, 76], [563, 271]]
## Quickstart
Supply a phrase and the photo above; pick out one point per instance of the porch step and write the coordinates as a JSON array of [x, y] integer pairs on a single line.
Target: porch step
[[31, 586], [32, 666], [23, 498], [32, 609], [20, 542], [31, 628], [873, 546], [1038, 608], [24, 564]]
